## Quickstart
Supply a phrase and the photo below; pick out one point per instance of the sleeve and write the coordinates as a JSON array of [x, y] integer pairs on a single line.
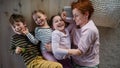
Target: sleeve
[[12, 46], [86, 40], [58, 52], [71, 24], [37, 34], [32, 38]]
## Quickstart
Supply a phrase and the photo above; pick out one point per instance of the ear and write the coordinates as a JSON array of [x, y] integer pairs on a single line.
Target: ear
[[86, 14]]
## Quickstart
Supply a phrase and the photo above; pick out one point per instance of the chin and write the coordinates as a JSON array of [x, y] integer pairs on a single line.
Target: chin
[[78, 26], [16, 32]]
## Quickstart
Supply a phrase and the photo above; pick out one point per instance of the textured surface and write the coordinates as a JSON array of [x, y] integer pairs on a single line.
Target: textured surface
[[107, 12], [110, 47]]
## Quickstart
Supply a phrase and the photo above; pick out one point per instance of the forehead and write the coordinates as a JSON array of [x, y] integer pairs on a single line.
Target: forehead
[[56, 18], [18, 23], [75, 10], [38, 14]]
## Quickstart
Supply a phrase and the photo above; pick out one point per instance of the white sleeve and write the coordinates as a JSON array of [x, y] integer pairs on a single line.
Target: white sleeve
[[58, 52], [87, 39], [71, 24]]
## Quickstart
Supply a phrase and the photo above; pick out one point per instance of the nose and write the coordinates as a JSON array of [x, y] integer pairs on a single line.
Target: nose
[[38, 19], [59, 21], [74, 18]]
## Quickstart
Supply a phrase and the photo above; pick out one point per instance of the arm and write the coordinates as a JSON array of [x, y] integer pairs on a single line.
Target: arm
[[70, 21], [70, 51], [58, 52], [12, 46], [74, 52], [14, 49], [86, 41], [30, 36]]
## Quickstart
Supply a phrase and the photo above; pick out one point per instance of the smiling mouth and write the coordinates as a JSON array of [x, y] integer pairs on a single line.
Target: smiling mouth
[[39, 22], [18, 30], [60, 25]]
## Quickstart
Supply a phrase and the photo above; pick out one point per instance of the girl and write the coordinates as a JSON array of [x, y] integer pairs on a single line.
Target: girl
[[61, 42], [43, 33]]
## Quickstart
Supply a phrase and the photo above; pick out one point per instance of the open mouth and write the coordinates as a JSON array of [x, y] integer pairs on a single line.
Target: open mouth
[[18, 30], [60, 25], [40, 21]]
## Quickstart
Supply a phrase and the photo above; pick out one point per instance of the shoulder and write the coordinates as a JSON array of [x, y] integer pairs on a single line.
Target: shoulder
[[37, 28], [56, 32], [16, 36]]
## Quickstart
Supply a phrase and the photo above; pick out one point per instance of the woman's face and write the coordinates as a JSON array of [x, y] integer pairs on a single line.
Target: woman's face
[[39, 18], [58, 23], [79, 17]]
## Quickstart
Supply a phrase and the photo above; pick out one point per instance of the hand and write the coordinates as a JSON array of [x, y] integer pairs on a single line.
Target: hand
[[48, 47], [25, 30], [76, 52], [18, 50], [63, 15]]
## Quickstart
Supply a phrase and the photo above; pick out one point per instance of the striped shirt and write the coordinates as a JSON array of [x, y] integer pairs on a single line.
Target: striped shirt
[[44, 35], [22, 41]]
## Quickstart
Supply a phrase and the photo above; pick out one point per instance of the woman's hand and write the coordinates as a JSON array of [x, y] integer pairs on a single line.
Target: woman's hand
[[74, 52]]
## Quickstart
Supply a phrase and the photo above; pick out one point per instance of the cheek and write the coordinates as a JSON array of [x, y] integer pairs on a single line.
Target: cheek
[[55, 26]]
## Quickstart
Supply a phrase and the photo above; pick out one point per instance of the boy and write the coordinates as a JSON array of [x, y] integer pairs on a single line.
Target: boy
[[21, 45]]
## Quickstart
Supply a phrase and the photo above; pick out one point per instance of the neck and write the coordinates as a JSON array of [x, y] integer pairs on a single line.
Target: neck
[[63, 31], [85, 22], [45, 25]]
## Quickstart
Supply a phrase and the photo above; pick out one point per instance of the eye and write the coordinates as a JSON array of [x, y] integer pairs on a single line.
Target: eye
[[75, 15], [61, 19], [39, 16], [17, 24], [56, 21]]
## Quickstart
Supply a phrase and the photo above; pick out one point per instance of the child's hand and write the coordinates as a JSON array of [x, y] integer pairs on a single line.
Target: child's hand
[[18, 50], [63, 15], [25, 31], [48, 47]]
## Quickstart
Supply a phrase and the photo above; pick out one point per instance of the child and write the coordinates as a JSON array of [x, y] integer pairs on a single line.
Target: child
[[61, 42], [21, 45], [43, 33]]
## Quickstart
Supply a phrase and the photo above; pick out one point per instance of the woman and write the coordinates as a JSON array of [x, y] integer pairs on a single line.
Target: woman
[[85, 35]]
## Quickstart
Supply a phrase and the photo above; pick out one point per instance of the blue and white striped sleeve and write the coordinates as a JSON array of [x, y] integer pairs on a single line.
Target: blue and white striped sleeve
[[32, 38]]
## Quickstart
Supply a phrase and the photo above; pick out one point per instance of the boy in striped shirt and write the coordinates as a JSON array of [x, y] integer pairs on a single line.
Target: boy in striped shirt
[[20, 44]]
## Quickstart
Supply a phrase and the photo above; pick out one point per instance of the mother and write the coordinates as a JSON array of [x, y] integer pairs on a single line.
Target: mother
[[85, 35]]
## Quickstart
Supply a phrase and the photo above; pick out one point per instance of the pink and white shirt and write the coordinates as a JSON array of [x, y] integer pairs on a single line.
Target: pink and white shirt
[[86, 39], [60, 44]]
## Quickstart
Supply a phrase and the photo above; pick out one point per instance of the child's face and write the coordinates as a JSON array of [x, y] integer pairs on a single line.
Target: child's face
[[18, 27], [58, 23], [39, 18]]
